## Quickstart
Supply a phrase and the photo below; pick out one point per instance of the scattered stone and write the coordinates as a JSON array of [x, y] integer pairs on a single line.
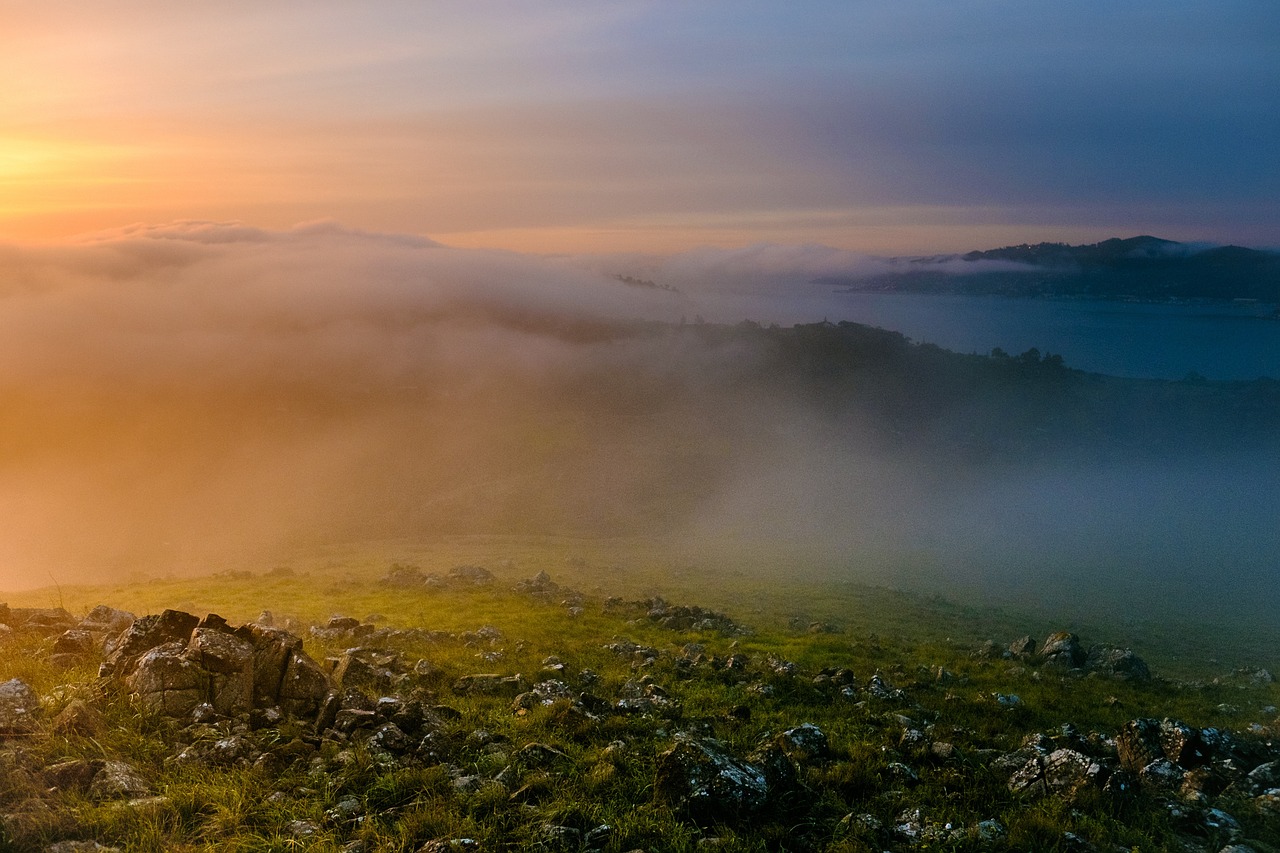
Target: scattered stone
[[144, 634], [1023, 647], [74, 775], [699, 777], [1063, 649], [1138, 744], [470, 576], [1117, 663], [20, 710], [489, 684], [167, 682], [116, 780], [450, 845]]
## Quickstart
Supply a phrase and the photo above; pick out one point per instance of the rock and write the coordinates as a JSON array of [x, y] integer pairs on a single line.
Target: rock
[[75, 641], [229, 661], [988, 650], [1007, 700], [80, 847], [1183, 745], [1067, 772], [167, 682], [538, 755], [451, 845], [699, 777], [489, 684], [117, 780], [1028, 780], [353, 670], [539, 584], [470, 575], [20, 710], [1138, 744], [1218, 821], [43, 621], [879, 688], [1264, 777], [273, 649], [1117, 663], [804, 743], [1063, 649], [303, 686], [74, 775], [403, 576], [145, 634], [1162, 774], [78, 718], [1023, 647], [390, 738], [1063, 772]]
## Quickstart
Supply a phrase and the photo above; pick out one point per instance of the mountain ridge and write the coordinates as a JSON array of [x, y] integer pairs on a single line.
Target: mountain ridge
[[1142, 268]]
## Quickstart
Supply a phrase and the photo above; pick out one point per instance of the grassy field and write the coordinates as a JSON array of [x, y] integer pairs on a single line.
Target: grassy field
[[600, 766]]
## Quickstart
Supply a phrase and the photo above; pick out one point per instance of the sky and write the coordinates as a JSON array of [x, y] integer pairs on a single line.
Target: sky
[[636, 126]]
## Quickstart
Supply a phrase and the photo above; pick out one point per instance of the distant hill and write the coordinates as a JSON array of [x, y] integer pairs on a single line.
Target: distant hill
[[1146, 268]]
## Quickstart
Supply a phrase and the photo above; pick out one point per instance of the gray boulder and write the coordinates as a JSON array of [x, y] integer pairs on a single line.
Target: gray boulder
[[171, 626], [20, 709], [1063, 649], [118, 781], [699, 777], [303, 686], [229, 662], [168, 682], [1138, 744], [1117, 663]]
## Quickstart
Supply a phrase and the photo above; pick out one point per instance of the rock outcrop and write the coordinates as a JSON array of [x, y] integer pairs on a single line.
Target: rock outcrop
[[175, 662]]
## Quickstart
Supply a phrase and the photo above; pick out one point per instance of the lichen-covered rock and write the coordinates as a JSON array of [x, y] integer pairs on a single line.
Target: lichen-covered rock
[[273, 648], [1063, 773], [804, 743], [80, 847], [20, 709], [42, 621], [167, 682], [1023, 647], [1123, 664], [1183, 745], [79, 718], [1163, 774], [489, 684], [106, 620], [303, 687], [117, 780], [1063, 649], [229, 662], [355, 669], [73, 775], [75, 641], [1264, 777], [1138, 744], [144, 634], [699, 777]]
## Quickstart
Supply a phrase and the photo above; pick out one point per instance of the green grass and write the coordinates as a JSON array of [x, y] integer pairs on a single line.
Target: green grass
[[398, 808]]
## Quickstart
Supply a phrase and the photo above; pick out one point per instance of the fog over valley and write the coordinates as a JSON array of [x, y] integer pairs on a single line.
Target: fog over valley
[[199, 396]]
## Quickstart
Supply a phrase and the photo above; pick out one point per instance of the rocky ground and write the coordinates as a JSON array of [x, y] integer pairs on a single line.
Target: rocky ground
[[681, 730]]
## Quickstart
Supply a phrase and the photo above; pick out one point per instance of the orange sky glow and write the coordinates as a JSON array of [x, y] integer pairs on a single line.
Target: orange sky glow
[[626, 127]]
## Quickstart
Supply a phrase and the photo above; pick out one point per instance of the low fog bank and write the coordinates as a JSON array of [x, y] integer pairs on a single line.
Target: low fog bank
[[200, 396]]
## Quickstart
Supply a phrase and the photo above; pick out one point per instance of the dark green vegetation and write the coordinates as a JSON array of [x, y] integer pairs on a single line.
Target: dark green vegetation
[[1135, 268], [918, 739]]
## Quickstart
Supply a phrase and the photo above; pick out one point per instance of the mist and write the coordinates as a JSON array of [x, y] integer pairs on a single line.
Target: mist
[[200, 396]]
